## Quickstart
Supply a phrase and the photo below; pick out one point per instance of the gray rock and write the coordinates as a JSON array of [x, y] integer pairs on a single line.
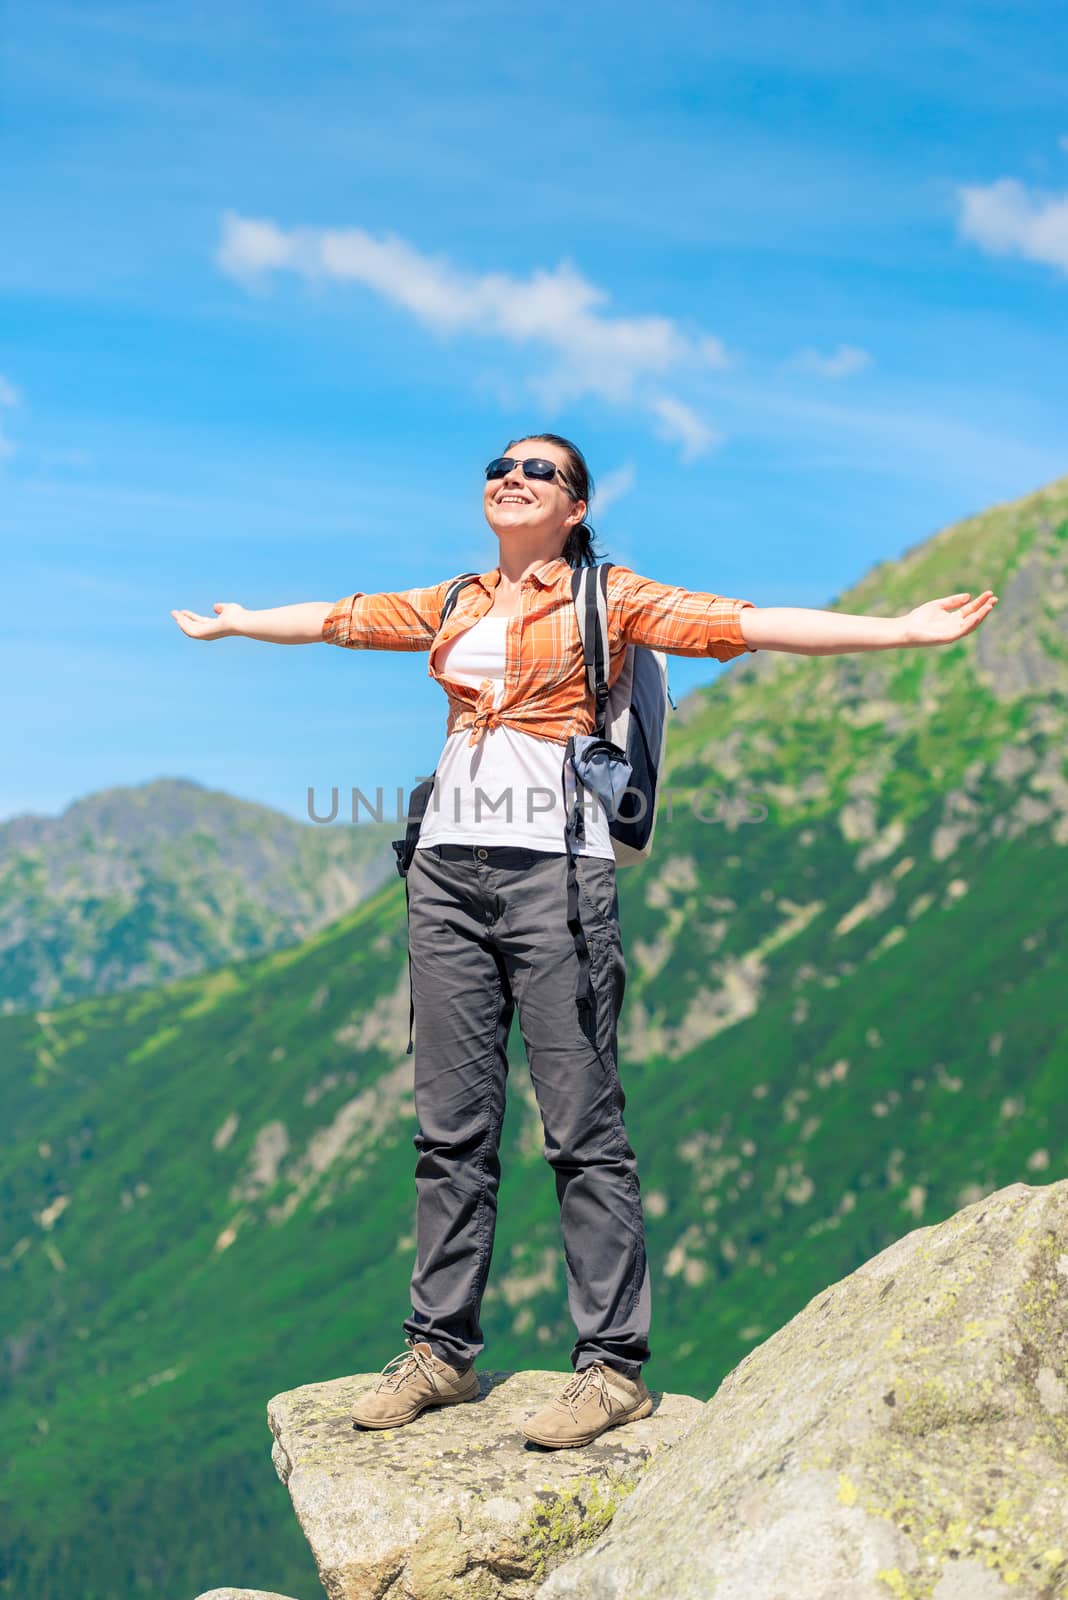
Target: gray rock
[[456, 1505], [904, 1436], [240, 1594]]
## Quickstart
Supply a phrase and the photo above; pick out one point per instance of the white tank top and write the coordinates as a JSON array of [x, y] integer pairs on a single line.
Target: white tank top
[[506, 789]]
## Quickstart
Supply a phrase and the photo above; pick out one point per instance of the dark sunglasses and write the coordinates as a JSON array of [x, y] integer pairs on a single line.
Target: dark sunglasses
[[533, 467]]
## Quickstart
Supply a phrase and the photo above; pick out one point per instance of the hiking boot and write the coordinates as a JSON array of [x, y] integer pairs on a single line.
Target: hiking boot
[[597, 1397], [409, 1383]]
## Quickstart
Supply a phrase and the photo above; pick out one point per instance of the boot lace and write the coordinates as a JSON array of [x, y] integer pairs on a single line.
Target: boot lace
[[407, 1365], [589, 1377]]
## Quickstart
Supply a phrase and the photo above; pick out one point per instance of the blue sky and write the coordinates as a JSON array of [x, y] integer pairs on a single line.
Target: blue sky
[[277, 281]]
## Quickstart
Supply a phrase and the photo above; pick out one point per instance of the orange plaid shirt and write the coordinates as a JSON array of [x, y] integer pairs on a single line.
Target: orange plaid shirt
[[545, 691]]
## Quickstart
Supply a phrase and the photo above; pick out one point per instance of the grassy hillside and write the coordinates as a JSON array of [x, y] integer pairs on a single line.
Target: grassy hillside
[[843, 1020], [138, 886]]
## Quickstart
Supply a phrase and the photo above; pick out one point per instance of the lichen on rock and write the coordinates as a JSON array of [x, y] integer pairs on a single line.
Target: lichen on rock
[[456, 1505], [903, 1437], [567, 1522]]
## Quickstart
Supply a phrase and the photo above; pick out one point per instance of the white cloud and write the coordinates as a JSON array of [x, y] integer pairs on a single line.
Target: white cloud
[[612, 487], [1063, 141], [556, 310], [681, 425], [1005, 218], [843, 363]]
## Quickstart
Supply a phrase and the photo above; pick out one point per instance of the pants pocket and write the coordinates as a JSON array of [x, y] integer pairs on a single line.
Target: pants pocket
[[599, 913], [598, 898]]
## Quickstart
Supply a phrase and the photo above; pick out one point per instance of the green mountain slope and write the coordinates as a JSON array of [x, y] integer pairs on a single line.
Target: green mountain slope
[[138, 886], [843, 1019]]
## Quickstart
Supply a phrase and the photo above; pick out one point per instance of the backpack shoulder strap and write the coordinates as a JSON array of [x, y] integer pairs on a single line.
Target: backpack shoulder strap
[[453, 591], [589, 590]]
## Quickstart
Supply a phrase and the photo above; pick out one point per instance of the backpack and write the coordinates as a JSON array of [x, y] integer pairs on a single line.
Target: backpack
[[622, 759]]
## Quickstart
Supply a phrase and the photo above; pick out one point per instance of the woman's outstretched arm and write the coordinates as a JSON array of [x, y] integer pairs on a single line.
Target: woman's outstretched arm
[[299, 624], [833, 633], [405, 620], [690, 622]]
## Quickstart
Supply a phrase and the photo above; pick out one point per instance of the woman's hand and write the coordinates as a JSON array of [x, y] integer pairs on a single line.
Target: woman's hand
[[223, 626], [948, 618]]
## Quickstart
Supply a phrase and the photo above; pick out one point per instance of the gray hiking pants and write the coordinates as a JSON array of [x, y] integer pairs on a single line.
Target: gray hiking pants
[[488, 931]]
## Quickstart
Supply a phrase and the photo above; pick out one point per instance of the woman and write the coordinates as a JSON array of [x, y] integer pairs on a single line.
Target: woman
[[488, 931]]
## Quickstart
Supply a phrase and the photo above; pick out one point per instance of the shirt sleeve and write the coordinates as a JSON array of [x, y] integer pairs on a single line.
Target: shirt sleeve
[[681, 622], [406, 620]]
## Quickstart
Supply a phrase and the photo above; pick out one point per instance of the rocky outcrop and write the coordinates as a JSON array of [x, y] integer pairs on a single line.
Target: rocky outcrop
[[456, 1505], [904, 1437], [240, 1594]]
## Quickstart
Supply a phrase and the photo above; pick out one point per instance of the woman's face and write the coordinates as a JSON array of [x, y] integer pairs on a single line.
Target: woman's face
[[518, 504]]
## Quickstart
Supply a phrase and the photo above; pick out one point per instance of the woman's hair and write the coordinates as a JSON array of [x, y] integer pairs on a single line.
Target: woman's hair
[[578, 548]]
